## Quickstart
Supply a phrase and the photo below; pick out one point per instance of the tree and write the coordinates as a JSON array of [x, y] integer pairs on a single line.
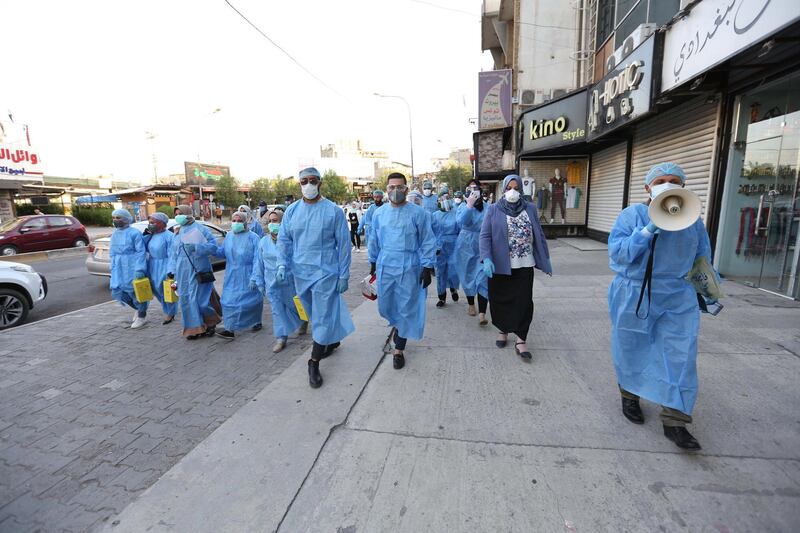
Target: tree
[[334, 187], [281, 188], [227, 192], [455, 176], [380, 183], [261, 189]]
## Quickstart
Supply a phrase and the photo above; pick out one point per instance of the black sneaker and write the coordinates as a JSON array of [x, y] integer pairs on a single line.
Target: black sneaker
[[225, 334], [440, 304], [398, 361], [632, 411], [454, 295], [257, 327], [681, 437], [314, 377], [329, 349]]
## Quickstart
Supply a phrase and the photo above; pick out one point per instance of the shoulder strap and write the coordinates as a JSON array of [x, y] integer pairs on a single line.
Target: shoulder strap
[[189, 258], [647, 283]]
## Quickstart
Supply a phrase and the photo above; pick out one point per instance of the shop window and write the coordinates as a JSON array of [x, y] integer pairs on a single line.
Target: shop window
[[605, 21], [553, 198], [636, 16], [622, 17]]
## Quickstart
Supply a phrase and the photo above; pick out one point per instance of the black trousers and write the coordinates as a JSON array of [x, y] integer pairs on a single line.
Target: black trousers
[[511, 301], [399, 342], [482, 302], [355, 238]]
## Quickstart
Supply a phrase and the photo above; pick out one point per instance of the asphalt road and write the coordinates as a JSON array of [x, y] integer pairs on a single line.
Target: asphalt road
[[70, 287]]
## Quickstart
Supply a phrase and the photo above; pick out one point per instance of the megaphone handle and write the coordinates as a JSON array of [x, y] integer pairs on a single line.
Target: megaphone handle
[[647, 282]]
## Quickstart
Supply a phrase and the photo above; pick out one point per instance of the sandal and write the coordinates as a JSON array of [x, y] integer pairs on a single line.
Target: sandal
[[526, 356]]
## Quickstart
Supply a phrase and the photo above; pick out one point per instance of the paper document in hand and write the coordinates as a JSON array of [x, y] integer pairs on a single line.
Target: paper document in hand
[[191, 236]]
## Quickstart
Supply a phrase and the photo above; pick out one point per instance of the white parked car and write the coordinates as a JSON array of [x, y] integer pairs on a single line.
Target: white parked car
[[20, 288]]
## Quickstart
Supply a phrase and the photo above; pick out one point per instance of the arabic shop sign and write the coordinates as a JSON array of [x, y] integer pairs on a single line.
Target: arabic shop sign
[[624, 94], [716, 30], [202, 174], [16, 161], [494, 95], [554, 124]]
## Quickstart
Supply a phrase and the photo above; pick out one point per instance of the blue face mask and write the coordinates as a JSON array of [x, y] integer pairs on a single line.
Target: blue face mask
[[273, 227], [237, 227], [180, 219]]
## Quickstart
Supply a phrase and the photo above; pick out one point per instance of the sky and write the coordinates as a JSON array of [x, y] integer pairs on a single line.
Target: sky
[[92, 78]]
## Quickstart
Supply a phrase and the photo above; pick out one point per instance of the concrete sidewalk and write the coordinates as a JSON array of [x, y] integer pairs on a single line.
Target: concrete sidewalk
[[469, 438]]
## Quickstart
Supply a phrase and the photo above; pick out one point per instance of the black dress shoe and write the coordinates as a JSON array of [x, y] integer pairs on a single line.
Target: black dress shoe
[[526, 355], [329, 349], [440, 303], [632, 411], [454, 295], [314, 377], [681, 437], [398, 361]]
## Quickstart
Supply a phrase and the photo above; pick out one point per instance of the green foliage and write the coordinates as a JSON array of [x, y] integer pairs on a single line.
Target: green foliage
[[455, 176], [99, 215], [335, 188], [227, 192], [280, 188], [168, 210], [260, 189], [49, 209], [380, 183]]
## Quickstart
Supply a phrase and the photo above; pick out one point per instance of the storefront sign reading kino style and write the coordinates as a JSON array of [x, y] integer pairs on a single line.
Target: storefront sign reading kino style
[[624, 94], [554, 124], [715, 30]]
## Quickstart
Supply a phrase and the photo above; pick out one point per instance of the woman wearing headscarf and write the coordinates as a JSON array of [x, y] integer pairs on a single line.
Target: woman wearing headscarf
[[242, 304], [512, 245], [655, 356], [158, 245], [253, 224], [285, 319], [190, 266], [128, 262], [445, 229], [470, 217]]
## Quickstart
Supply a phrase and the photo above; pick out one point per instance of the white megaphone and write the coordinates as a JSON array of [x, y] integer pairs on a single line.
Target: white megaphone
[[674, 209]]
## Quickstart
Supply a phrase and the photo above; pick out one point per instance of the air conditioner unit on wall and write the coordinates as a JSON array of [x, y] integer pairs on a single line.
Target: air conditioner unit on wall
[[530, 97], [637, 37], [527, 97]]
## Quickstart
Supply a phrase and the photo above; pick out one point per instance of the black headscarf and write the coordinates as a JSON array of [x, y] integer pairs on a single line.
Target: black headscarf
[[479, 202], [512, 210]]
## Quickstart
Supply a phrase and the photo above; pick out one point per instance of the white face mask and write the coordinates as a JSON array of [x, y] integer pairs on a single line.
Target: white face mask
[[457, 200], [655, 190], [310, 190], [512, 195], [427, 192]]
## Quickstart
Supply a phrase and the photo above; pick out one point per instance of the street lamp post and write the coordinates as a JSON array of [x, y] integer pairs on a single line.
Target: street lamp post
[[151, 136], [410, 129]]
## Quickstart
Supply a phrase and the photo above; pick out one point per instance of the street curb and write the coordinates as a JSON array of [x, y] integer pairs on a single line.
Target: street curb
[[35, 257]]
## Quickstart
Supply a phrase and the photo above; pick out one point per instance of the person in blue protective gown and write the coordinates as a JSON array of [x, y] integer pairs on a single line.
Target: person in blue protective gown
[[655, 357], [285, 319], [158, 245], [253, 223], [445, 229], [403, 253], [366, 220], [128, 262], [470, 273], [242, 303], [192, 249], [429, 200], [314, 245]]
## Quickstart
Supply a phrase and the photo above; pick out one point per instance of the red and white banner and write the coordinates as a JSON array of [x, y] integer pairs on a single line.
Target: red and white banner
[[18, 159]]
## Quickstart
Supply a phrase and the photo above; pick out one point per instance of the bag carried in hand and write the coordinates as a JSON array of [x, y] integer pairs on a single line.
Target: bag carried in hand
[[704, 279], [368, 288], [142, 290], [301, 311], [170, 296]]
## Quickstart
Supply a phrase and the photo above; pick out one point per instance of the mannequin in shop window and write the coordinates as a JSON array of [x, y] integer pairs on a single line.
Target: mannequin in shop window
[[558, 185]]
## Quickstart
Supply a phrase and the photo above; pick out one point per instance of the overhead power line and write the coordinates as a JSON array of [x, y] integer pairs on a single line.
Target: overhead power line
[[287, 54]]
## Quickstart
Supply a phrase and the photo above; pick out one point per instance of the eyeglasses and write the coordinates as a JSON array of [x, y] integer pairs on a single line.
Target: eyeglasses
[[400, 187], [312, 181]]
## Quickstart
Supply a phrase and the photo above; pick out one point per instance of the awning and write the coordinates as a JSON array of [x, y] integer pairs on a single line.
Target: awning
[[104, 199]]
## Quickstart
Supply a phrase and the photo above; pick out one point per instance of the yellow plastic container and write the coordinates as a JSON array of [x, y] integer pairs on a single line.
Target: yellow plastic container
[[301, 311], [170, 296], [142, 290]]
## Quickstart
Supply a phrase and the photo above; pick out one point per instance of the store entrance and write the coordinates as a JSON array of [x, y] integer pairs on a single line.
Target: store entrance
[[759, 237]]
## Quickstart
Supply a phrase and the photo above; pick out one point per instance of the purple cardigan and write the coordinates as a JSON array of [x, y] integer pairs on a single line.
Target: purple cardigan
[[494, 241]]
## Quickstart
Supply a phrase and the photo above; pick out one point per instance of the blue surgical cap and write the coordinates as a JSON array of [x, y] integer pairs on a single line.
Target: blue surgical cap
[[427, 185], [122, 213], [158, 215], [444, 190], [664, 169], [512, 177], [310, 171], [378, 192], [458, 194]]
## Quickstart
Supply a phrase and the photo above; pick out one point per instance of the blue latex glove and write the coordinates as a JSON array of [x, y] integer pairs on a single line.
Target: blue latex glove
[[488, 267], [341, 285], [280, 275], [252, 286], [190, 248], [139, 275], [652, 228], [262, 290]]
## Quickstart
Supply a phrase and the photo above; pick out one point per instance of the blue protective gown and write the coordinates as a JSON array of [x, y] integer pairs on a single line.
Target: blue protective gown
[[255, 227], [127, 255], [403, 243], [430, 203], [285, 319], [194, 299], [445, 228], [655, 358], [314, 244], [366, 220], [470, 272], [241, 307], [159, 247]]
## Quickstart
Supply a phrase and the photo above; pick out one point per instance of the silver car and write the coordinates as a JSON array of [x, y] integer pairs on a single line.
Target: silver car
[[99, 262]]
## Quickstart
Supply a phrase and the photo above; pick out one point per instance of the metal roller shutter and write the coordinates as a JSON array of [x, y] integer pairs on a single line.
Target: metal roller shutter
[[685, 135], [606, 187]]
